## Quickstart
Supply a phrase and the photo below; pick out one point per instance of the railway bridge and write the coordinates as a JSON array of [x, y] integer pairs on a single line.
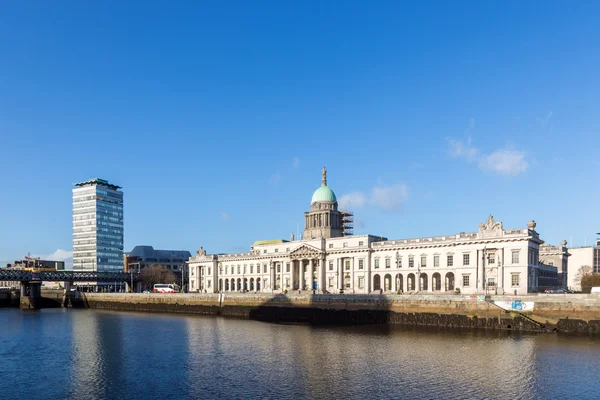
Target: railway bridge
[[31, 281]]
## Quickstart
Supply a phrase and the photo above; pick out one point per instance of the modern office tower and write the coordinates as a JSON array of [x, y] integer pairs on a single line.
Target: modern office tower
[[97, 226]]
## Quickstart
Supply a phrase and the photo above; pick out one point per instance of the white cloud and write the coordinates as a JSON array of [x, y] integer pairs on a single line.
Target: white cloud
[[389, 197], [296, 162], [505, 162], [545, 120], [275, 178], [462, 149], [352, 200], [59, 255], [471, 126], [224, 216]]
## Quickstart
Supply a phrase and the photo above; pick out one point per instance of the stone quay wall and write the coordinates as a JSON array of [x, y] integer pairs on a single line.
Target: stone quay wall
[[565, 313]]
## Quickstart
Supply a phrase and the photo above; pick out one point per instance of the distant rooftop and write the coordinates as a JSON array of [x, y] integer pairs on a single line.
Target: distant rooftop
[[97, 181], [145, 252]]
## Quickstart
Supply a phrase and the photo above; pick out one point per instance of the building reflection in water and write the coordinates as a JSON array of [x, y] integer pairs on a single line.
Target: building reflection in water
[[138, 356]]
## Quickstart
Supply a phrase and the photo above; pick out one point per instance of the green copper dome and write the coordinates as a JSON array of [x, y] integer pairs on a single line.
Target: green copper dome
[[323, 194]]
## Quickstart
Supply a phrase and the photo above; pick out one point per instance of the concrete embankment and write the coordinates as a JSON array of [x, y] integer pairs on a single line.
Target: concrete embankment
[[538, 313]]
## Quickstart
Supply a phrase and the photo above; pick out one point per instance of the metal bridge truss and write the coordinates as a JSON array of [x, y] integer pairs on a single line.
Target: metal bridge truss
[[67, 276]]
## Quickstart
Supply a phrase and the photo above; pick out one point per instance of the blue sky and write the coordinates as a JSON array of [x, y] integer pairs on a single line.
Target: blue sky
[[217, 117]]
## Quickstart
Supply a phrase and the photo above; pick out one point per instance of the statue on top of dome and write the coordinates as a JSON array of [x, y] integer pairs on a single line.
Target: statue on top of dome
[[324, 179]]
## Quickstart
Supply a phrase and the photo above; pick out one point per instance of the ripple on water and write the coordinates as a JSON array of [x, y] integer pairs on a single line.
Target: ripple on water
[[106, 355]]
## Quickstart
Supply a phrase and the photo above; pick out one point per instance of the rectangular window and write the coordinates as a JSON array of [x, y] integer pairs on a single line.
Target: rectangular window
[[466, 280], [450, 261], [347, 265], [244, 270], [287, 282], [436, 261], [388, 263], [345, 245], [265, 251], [331, 265], [491, 282], [466, 259], [287, 267], [492, 258], [330, 282], [361, 282], [376, 263], [276, 250], [514, 279], [251, 269], [411, 262], [361, 264], [515, 256], [265, 269], [238, 269], [278, 268], [287, 249], [208, 284], [361, 243], [331, 245], [423, 261]]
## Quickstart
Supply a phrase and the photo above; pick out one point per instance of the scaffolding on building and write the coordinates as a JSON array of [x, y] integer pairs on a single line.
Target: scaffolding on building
[[347, 223]]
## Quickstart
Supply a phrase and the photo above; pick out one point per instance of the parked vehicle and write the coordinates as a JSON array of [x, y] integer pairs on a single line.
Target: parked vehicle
[[166, 288], [595, 289], [558, 291]]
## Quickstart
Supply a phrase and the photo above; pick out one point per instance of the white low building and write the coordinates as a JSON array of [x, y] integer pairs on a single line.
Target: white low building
[[491, 260], [582, 259]]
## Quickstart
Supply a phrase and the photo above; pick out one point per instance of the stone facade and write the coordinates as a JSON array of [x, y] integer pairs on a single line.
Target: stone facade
[[554, 256], [490, 260]]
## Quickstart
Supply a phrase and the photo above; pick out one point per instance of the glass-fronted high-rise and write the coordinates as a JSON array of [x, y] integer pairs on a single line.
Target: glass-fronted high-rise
[[97, 226]]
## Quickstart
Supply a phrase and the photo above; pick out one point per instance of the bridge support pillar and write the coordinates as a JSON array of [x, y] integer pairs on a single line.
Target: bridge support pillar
[[31, 295]]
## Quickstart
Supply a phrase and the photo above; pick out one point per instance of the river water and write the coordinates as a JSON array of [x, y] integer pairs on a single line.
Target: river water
[[86, 354]]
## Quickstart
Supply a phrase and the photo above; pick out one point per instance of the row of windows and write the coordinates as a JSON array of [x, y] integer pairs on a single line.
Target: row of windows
[[466, 281], [411, 263], [345, 244]]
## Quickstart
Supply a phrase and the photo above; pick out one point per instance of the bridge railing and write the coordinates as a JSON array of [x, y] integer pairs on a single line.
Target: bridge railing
[[67, 276]]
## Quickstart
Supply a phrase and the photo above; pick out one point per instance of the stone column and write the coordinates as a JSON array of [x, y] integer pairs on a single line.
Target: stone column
[[312, 267], [272, 283], [301, 273], [352, 275], [284, 276], [321, 271], [340, 268]]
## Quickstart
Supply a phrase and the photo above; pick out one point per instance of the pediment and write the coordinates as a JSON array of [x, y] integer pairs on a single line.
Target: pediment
[[305, 251]]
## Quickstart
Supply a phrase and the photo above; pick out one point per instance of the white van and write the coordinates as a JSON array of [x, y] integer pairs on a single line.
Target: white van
[[595, 289], [166, 288]]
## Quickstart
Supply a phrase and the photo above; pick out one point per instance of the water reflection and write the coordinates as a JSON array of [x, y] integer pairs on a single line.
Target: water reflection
[[101, 355]]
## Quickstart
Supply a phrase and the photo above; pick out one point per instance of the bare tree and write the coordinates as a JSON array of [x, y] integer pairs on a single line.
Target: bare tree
[[582, 272], [589, 281], [154, 274]]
